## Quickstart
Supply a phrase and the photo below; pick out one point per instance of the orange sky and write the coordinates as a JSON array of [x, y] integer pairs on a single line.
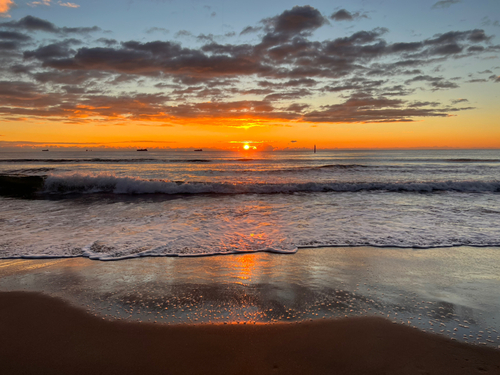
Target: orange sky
[[295, 77], [455, 132]]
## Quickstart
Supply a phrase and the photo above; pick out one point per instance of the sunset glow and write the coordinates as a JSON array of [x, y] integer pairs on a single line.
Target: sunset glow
[[337, 78]]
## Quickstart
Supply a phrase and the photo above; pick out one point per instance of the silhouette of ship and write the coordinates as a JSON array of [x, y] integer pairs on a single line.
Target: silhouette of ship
[[142, 149], [45, 150], [198, 149]]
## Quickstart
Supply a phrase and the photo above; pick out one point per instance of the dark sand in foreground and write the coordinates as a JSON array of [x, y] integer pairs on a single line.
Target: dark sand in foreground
[[39, 334]]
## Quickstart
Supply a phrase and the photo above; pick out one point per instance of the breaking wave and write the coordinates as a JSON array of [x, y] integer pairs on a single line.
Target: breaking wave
[[104, 160], [108, 183]]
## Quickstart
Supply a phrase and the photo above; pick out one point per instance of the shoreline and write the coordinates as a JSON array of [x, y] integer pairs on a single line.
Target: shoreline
[[241, 252], [437, 291], [41, 334]]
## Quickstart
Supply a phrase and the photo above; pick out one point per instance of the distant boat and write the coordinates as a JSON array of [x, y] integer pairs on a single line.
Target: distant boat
[[45, 150], [142, 149], [198, 149]]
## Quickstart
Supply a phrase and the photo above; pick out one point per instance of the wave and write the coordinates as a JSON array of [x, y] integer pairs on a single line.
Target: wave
[[30, 170], [472, 160], [102, 256], [101, 160], [337, 166], [107, 183]]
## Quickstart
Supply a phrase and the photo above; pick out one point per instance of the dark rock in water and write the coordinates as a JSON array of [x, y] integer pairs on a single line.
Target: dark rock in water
[[20, 186]]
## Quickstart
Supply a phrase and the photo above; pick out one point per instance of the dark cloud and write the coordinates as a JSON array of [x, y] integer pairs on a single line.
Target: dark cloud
[[344, 15], [14, 35], [9, 46], [19, 96], [70, 77], [453, 37], [53, 51], [300, 19], [250, 29], [423, 104], [358, 84], [297, 107], [30, 23], [475, 49], [457, 101], [288, 95], [477, 80], [183, 33], [447, 49], [107, 42], [365, 108], [445, 4], [436, 83], [73, 80]]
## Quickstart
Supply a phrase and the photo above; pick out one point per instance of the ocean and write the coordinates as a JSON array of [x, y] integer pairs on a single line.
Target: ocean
[[111, 205]]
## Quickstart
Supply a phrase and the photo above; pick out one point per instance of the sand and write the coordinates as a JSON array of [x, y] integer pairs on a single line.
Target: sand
[[42, 335]]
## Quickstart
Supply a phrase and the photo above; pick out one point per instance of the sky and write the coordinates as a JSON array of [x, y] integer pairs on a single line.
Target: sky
[[272, 74]]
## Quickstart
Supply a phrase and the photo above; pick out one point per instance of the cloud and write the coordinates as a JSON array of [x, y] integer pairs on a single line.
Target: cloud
[[276, 78], [31, 23], [13, 35], [48, 3], [37, 3], [152, 30], [344, 15], [298, 21], [5, 6], [445, 4], [437, 83], [183, 33], [52, 51], [107, 42], [369, 109], [69, 5], [457, 101], [250, 29]]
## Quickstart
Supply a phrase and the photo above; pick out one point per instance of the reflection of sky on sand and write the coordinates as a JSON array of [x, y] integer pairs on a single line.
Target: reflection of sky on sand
[[453, 291]]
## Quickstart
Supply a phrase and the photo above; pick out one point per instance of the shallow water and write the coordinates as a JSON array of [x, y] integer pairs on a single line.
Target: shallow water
[[450, 291]]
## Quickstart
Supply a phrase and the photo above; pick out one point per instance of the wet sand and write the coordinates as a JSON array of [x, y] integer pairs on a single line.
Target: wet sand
[[450, 291], [41, 334]]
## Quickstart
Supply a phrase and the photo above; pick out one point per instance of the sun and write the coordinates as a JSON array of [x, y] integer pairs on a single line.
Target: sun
[[246, 147]]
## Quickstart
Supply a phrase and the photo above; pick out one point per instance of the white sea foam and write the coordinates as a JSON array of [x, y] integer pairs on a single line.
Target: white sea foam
[[121, 227], [109, 183]]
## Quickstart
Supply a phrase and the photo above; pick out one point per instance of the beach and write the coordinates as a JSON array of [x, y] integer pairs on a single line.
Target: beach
[[217, 187], [45, 335], [319, 311], [337, 262]]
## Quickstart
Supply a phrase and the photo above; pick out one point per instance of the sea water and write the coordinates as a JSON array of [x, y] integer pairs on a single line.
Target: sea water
[[111, 205]]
